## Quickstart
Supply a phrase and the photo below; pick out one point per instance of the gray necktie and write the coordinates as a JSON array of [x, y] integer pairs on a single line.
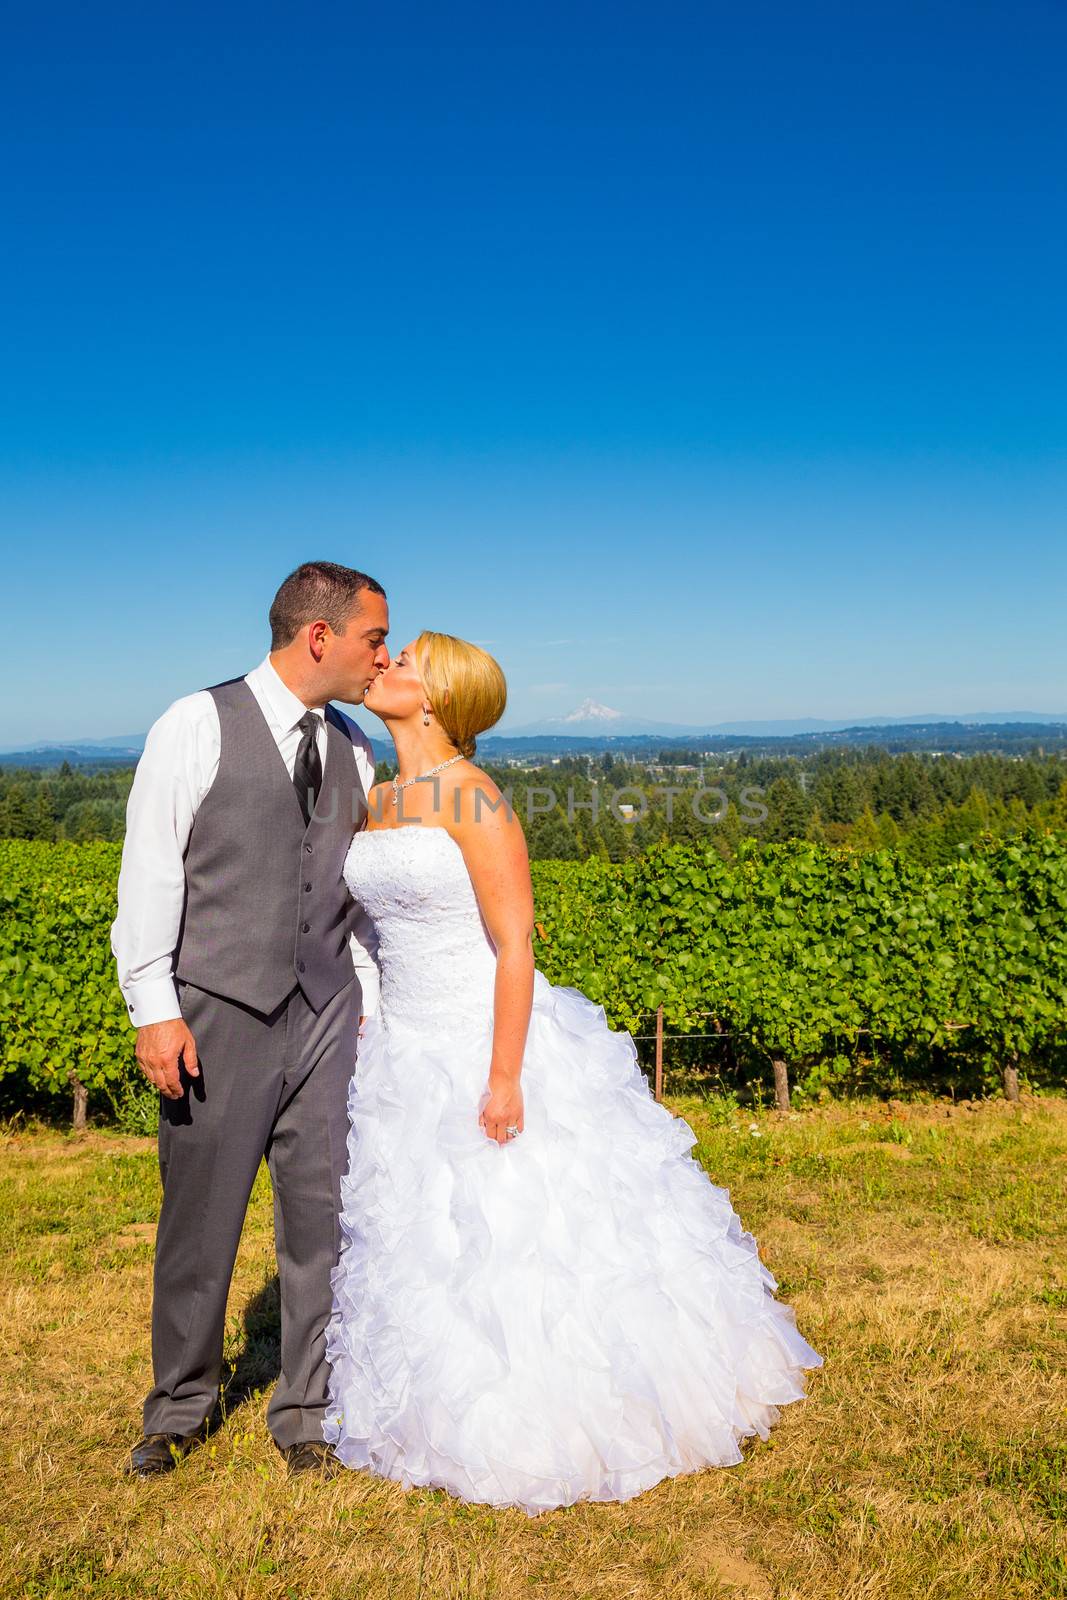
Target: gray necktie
[[307, 771]]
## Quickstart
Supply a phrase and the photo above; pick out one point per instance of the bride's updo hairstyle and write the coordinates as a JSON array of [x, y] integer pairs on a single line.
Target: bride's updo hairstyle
[[464, 685]]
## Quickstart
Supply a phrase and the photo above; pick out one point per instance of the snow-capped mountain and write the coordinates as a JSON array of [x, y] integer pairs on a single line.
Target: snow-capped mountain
[[592, 718], [592, 711]]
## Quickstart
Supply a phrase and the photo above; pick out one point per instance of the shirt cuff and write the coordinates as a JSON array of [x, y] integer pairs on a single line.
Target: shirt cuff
[[152, 1000]]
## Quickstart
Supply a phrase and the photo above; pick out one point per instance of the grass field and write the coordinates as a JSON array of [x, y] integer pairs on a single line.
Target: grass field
[[923, 1249]]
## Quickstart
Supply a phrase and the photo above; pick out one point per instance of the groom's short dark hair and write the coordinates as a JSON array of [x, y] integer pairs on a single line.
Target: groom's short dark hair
[[317, 589]]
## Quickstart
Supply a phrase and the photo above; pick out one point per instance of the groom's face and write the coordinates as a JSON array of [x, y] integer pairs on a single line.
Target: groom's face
[[359, 654]]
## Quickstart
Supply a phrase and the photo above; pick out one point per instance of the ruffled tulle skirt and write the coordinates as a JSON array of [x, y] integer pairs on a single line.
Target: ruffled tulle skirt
[[575, 1315]]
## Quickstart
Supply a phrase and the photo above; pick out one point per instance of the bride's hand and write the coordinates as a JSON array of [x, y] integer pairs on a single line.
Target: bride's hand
[[502, 1110]]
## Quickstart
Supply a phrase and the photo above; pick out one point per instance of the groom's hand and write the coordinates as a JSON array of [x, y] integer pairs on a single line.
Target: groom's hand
[[161, 1047]]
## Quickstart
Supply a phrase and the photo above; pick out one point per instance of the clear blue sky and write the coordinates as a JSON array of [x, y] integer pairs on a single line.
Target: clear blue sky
[[705, 359]]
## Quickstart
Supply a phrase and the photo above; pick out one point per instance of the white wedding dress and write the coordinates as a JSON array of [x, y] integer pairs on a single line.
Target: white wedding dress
[[574, 1315]]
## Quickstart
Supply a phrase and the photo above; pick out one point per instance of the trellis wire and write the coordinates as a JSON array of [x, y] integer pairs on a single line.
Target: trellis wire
[[780, 1070]]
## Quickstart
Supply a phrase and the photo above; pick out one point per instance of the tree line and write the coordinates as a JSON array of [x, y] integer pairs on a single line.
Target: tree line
[[578, 808]]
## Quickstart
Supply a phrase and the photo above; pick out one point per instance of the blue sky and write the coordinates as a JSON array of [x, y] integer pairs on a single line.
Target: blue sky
[[706, 360]]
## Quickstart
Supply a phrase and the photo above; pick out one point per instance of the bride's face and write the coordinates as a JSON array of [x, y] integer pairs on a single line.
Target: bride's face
[[397, 691]]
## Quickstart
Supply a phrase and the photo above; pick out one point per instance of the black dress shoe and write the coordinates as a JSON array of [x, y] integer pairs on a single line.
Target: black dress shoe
[[311, 1456], [161, 1452]]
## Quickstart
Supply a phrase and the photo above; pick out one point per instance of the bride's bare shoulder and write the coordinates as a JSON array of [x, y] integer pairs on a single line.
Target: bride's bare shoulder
[[480, 815], [476, 790]]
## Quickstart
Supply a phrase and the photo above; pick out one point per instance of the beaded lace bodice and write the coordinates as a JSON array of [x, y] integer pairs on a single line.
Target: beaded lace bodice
[[435, 954]]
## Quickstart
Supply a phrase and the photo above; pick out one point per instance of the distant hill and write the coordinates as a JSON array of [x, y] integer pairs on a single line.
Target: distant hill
[[77, 755], [591, 720], [1007, 732], [948, 738]]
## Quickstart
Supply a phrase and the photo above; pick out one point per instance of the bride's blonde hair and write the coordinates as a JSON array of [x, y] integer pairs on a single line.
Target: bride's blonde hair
[[464, 685]]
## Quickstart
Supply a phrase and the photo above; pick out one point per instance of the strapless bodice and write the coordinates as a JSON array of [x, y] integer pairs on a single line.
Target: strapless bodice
[[435, 954]]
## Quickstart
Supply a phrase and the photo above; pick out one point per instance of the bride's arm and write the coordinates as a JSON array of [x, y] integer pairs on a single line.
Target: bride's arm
[[494, 848]]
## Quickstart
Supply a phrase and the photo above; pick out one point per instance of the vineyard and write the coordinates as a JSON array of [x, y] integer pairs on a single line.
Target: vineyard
[[803, 967]]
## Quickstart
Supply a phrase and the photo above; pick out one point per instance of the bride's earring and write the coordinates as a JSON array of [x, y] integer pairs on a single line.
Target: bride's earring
[[425, 717]]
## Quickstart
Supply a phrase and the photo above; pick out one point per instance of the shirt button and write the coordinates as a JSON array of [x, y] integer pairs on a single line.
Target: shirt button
[[305, 927]]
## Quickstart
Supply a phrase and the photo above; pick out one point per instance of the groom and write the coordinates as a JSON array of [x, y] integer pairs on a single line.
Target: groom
[[246, 966]]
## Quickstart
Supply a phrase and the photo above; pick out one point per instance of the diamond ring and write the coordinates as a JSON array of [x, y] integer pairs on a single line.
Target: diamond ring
[[511, 1133]]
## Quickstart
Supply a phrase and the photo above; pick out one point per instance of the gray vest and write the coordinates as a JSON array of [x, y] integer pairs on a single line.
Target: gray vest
[[266, 908]]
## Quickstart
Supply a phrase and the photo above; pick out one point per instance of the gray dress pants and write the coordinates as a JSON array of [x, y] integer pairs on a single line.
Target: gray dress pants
[[273, 1086]]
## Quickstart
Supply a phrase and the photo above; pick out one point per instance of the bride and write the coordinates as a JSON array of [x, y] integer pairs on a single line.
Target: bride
[[540, 1296]]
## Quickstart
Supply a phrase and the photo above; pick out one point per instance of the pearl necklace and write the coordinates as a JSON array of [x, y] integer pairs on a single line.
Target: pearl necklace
[[420, 776]]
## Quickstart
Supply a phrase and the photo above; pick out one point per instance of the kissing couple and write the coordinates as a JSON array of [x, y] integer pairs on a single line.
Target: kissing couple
[[502, 1272]]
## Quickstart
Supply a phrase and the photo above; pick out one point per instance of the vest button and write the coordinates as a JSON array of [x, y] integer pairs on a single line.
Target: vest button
[[300, 966], [307, 847], [307, 886], [305, 927]]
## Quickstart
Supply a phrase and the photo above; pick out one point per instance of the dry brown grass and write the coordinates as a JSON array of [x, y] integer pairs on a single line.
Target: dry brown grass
[[921, 1247]]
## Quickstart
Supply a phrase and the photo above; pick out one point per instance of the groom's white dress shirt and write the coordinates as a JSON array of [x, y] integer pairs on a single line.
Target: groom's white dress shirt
[[175, 772]]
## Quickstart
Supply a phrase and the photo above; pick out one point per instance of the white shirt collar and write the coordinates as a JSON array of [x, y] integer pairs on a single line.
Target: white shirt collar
[[286, 707]]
